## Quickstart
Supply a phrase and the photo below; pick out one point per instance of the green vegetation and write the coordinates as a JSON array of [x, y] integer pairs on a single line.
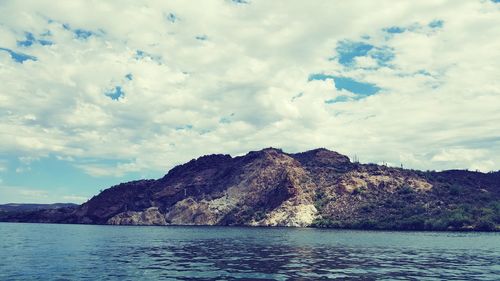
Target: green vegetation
[[466, 215], [259, 215], [415, 217], [320, 200], [406, 190], [358, 190], [326, 223]]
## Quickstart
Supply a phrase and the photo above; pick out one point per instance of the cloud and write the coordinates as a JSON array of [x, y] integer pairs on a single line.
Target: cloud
[[33, 193], [74, 198], [22, 194], [153, 84], [10, 194], [474, 159], [3, 166], [116, 170]]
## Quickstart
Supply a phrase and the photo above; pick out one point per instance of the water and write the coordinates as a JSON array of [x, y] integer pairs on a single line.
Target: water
[[89, 252]]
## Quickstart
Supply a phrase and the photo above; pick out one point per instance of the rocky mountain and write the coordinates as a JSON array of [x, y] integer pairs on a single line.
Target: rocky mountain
[[318, 188]]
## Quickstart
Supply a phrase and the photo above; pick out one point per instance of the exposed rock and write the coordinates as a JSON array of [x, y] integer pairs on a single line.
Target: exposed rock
[[288, 214], [191, 212], [150, 216], [356, 180]]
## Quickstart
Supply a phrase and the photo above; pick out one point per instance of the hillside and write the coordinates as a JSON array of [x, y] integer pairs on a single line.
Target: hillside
[[318, 188]]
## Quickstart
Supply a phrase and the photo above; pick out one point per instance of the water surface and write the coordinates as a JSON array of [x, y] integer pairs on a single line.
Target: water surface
[[90, 252]]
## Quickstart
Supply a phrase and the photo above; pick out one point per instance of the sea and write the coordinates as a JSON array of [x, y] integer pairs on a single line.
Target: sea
[[101, 252]]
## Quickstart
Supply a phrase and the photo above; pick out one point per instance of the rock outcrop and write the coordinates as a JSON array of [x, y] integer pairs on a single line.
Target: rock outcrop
[[150, 216], [269, 187]]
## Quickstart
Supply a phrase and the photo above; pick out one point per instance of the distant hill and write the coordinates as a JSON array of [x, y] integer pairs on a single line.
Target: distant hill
[[317, 188], [23, 207]]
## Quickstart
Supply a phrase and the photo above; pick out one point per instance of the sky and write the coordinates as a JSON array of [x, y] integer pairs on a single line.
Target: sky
[[94, 93]]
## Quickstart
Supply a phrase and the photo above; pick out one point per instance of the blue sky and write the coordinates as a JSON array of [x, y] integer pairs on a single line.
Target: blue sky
[[97, 93]]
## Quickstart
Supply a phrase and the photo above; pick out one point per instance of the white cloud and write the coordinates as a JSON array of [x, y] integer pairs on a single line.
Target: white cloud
[[11, 194], [74, 198], [27, 160], [3, 166], [23, 194], [118, 170], [33, 193], [441, 92]]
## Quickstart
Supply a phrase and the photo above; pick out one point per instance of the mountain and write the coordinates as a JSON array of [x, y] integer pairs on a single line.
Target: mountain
[[318, 188]]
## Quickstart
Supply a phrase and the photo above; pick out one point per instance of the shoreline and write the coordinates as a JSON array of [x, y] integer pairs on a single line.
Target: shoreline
[[271, 227]]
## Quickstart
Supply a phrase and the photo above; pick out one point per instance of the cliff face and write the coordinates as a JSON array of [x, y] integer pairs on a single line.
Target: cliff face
[[265, 187], [315, 188]]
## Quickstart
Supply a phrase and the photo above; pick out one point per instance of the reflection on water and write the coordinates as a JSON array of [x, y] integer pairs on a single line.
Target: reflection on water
[[69, 252]]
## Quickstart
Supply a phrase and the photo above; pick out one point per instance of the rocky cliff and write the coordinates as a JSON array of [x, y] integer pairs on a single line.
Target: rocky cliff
[[318, 188]]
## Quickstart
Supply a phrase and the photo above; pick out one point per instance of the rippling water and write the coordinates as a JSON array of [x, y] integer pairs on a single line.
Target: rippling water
[[89, 252]]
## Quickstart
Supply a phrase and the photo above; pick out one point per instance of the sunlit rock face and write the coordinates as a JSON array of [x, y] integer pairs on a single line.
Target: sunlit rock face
[[150, 216], [269, 187]]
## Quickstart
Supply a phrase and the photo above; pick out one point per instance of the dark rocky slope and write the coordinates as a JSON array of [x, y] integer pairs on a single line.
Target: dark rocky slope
[[318, 188]]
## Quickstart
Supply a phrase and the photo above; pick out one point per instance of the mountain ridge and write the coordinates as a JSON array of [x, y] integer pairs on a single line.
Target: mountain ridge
[[268, 187]]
